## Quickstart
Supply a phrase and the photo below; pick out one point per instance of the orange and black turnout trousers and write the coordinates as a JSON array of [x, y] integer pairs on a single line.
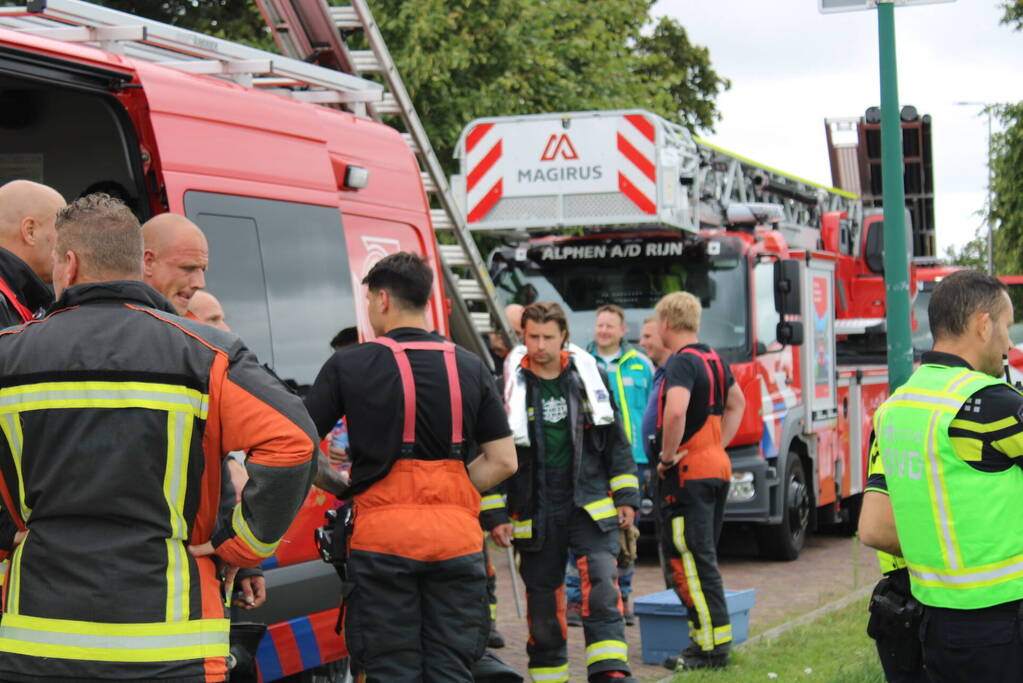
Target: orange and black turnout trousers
[[692, 506], [418, 610]]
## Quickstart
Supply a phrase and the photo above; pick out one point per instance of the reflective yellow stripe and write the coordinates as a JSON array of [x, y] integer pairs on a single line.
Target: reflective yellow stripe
[[522, 528], [623, 481], [179, 438], [984, 428], [492, 502], [493, 612], [11, 425], [241, 528], [601, 509], [152, 395], [968, 448], [14, 590], [623, 406], [607, 649], [969, 577], [944, 527], [101, 642], [704, 636], [723, 634], [550, 674]]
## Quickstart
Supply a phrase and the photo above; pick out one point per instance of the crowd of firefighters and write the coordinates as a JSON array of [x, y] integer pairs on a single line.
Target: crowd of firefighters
[[148, 456]]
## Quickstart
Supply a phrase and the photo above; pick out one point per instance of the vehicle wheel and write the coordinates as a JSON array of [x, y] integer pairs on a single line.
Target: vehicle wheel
[[783, 541], [331, 672]]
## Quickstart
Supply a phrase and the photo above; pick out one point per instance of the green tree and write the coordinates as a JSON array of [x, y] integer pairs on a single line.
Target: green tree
[[463, 59], [237, 20], [1007, 171], [973, 254]]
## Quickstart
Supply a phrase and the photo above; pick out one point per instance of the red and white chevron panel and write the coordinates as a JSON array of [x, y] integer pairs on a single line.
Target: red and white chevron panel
[[483, 184], [637, 174]]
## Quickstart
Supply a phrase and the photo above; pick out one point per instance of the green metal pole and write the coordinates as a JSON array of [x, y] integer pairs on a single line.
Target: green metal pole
[[896, 258]]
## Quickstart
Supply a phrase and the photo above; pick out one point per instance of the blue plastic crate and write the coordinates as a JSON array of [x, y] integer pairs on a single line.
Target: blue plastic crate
[[664, 628]]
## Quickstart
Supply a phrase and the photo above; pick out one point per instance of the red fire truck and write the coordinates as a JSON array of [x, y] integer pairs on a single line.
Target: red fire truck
[[788, 272]]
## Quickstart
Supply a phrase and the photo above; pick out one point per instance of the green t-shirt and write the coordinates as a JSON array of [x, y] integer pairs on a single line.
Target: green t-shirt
[[557, 444]]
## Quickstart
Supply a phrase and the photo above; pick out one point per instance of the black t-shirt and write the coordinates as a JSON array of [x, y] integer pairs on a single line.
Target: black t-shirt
[[688, 371], [988, 429], [362, 383]]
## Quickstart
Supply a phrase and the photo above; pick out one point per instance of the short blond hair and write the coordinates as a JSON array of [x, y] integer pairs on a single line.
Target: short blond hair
[[681, 311]]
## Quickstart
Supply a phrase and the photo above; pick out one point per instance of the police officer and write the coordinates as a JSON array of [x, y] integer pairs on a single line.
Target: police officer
[[575, 488], [951, 444], [116, 417], [700, 410], [413, 401], [894, 613]]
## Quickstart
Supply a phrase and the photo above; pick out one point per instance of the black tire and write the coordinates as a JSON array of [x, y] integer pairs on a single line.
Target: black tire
[[783, 541]]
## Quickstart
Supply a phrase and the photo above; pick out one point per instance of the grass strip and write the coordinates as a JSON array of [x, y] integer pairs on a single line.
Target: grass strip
[[833, 649]]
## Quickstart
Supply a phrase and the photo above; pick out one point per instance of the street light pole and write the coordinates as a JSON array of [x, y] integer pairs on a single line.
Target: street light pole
[[987, 109], [896, 256]]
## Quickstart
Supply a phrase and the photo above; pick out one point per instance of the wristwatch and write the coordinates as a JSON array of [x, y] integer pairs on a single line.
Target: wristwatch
[[666, 463]]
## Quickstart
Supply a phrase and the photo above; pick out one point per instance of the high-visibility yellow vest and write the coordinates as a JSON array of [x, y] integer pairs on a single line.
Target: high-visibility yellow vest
[[960, 529]]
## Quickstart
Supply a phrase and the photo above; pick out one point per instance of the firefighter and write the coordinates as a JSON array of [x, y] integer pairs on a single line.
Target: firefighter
[[175, 258], [700, 410], [117, 414], [27, 214], [630, 374], [417, 610], [576, 486], [951, 444]]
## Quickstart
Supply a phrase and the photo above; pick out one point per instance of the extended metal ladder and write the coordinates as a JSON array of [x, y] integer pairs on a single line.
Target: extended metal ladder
[[311, 30]]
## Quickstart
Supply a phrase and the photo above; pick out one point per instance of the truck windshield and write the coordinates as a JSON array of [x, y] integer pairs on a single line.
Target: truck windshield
[[633, 273]]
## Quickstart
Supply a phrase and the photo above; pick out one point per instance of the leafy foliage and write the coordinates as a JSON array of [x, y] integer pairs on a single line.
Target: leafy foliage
[[973, 254], [237, 20], [1013, 13], [1007, 190], [463, 59]]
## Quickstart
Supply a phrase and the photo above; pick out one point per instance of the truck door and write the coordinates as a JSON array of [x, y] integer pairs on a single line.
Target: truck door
[[818, 375]]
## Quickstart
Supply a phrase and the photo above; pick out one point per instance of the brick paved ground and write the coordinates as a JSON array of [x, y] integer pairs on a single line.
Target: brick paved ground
[[828, 568]]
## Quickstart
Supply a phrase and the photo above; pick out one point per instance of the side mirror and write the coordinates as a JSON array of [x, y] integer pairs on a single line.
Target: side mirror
[[790, 332], [874, 249], [786, 288]]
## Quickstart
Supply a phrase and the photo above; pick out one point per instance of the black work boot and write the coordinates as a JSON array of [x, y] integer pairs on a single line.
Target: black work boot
[[694, 657], [495, 640]]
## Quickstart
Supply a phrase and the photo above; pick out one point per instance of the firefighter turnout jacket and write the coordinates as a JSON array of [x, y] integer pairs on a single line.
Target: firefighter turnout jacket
[[603, 469], [116, 415]]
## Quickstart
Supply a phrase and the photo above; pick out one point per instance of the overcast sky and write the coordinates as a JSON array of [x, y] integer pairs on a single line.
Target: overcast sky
[[791, 67]]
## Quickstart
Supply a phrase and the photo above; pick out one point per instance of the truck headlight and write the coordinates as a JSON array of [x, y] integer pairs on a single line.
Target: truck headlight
[[742, 488]]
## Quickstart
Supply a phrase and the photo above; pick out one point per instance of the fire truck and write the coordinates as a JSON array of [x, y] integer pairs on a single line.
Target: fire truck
[[298, 185], [623, 207]]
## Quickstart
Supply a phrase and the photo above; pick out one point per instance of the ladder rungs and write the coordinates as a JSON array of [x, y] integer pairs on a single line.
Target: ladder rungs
[[441, 221], [388, 105], [411, 142], [428, 183], [470, 290], [345, 17], [482, 322], [366, 62], [453, 256]]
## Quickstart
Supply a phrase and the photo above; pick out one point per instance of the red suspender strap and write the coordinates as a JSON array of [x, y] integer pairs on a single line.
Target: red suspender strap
[[408, 387], [408, 383], [6, 290], [717, 398]]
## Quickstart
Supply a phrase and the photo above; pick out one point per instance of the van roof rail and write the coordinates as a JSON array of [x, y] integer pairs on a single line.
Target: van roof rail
[[153, 41]]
